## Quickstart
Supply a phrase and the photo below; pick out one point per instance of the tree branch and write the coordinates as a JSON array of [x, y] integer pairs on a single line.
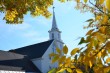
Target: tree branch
[[96, 6]]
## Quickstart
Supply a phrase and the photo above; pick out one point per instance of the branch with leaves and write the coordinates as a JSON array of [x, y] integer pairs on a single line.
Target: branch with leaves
[[94, 57]]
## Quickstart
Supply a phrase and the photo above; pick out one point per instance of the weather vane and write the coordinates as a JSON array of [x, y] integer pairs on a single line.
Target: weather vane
[[53, 8]]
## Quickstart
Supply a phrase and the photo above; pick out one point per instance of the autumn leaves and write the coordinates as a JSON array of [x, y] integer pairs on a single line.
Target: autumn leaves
[[65, 63], [94, 57], [15, 10]]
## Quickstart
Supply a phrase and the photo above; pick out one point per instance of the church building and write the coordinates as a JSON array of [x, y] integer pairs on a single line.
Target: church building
[[32, 58]]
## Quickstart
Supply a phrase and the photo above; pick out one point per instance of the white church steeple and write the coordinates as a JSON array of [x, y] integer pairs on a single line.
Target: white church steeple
[[54, 24], [54, 33]]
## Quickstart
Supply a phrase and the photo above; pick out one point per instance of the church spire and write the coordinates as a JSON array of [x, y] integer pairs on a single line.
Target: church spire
[[54, 25], [54, 33]]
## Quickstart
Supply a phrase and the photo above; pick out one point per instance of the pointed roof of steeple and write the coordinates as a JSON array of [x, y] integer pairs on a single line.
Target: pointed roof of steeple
[[54, 24]]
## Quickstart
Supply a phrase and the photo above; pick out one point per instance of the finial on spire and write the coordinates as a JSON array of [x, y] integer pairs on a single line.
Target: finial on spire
[[53, 9], [54, 25]]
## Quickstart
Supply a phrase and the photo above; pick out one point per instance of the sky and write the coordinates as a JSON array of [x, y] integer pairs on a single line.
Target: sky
[[35, 29]]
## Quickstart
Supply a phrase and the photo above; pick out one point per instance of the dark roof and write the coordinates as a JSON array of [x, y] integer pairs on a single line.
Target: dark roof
[[34, 51], [16, 62]]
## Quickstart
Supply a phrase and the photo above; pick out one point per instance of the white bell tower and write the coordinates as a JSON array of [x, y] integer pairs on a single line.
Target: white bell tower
[[55, 33]]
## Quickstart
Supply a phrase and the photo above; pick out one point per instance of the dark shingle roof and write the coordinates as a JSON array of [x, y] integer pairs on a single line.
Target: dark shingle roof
[[34, 51], [16, 62]]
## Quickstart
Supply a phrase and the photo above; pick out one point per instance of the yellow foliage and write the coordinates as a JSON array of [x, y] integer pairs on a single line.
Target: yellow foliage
[[98, 17], [61, 70], [108, 4], [58, 50], [108, 60], [62, 59], [77, 1], [65, 49], [99, 55], [10, 15], [74, 51], [55, 58], [69, 70], [105, 19], [108, 44], [89, 32], [106, 69], [85, 1], [101, 1], [15, 10], [94, 55], [79, 71]]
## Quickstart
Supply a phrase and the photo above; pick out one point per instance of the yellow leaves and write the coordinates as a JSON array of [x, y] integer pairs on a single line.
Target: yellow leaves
[[104, 9], [106, 69], [11, 15], [108, 4], [62, 59], [108, 60], [62, 0], [105, 19], [74, 51], [65, 49], [98, 70], [85, 1], [108, 44], [72, 66], [69, 70], [79, 71], [98, 17], [35, 7], [61, 70], [51, 55], [89, 32], [90, 64], [101, 1], [102, 30], [99, 55], [58, 50], [77, 1], [101, 37], [55, 58]]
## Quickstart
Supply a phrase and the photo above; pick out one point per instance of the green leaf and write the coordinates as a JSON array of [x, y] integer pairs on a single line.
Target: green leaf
[[89, 20], [65, 49], [81, 41]]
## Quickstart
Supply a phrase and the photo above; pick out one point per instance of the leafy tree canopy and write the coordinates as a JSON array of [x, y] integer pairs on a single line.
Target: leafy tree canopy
[[15, 10], [94, 57]]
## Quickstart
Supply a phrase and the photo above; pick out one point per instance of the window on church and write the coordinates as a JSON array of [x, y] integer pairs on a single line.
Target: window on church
[[52, 36]]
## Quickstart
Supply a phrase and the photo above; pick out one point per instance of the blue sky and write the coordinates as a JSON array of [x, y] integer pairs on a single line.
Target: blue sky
[[35, 29]]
